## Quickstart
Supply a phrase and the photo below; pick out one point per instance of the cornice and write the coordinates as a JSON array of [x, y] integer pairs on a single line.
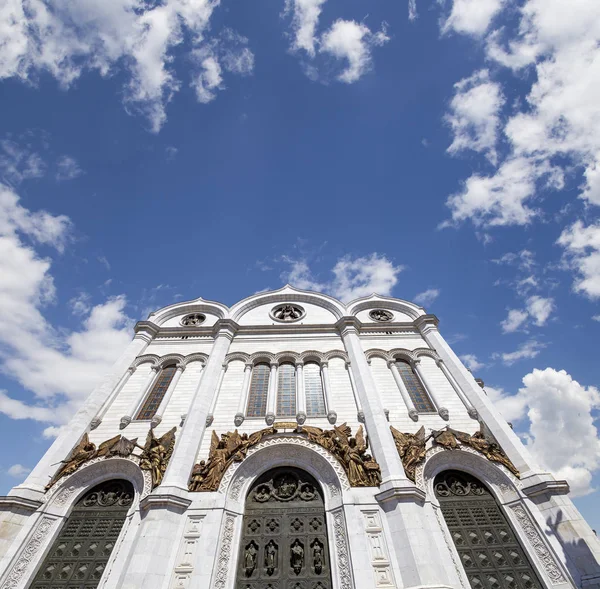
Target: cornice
[[146, 327], [552, 487], [14, 501], [426, 321], [162, 500]]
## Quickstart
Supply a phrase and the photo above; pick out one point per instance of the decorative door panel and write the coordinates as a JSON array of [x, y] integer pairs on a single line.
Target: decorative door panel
[[488, 548], [284, 542], [79, 555]]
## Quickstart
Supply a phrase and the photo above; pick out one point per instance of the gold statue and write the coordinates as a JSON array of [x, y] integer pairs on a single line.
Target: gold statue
[[117, 446], [156, 454], [411, 448], [478, 441], [83, 452]]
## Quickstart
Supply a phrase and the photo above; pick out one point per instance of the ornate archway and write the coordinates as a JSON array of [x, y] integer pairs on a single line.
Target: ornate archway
[[489, 550], [284, 536], [79, 555]]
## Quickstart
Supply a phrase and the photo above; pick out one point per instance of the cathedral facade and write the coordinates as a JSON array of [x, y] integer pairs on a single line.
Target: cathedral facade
[[291, 442]]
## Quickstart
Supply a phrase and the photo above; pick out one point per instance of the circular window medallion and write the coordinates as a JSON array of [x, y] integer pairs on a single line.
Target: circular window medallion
[[380, 315], [287, 313], [193, 320]]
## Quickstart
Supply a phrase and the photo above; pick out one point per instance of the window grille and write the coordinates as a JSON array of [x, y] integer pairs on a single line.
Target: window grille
[[417, 393], [286, 390], [156, 395], [313, 387], [259, 390]]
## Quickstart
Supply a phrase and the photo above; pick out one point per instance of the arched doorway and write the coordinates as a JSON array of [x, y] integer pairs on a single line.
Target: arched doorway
[[79, 555], [488, 548], [284, 541]]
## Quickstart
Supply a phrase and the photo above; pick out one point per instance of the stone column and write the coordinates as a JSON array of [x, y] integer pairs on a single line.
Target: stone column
[[409, 528], [241, 412], [165, 402], [211, 412], [300, 394], [190, 436], [412, 411], [469, 407], [33, 487], [360, 414], [508, 440], [272, 398], [134, 406], [331, 414], [100, 416], [442, 411]]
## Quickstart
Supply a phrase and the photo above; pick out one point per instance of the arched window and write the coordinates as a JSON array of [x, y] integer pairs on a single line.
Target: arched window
[[313, 388], [259, 391], [489, 550], [157, 393], [418, 395], [286, 390], [80, 554]]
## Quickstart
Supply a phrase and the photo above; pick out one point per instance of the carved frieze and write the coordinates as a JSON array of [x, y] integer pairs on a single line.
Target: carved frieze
[[361, 468], [156, 454], [86, 451]]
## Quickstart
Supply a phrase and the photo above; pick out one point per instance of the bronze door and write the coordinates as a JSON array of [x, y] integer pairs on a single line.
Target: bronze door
[[284, 540], [79, 555], [488, 548]]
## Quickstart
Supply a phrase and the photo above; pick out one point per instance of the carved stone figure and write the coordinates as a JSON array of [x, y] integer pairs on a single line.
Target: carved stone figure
[[411, 448], [373, 470], [380, 315], [445, 438], [270, 557], [156, 454], [318, 557], [297, 556], [250, 559], [193, 320], [83, 452], [287, 313], [117, 446]]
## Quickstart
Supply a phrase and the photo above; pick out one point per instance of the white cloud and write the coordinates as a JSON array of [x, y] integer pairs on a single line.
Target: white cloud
[[352, 41], [527, 350], [228, 53], [562, 435], [67, 168], [65, 39], [582, 255], [304, 23], [353, 277], [540, 309], [412, 10], [427, 297], [58, 366], [472, 17], [514, 320], [474, 115], [471, 362], [19, 162], [596, 317], [18, 471], [512, 407]]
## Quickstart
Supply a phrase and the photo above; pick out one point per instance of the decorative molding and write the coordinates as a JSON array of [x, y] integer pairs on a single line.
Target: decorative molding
[[341, 548], [451, 548], [470, 460], [287, 453], [29, 553], [539, 546], [293, 357], [380, 559], [225, 551], [186, 557], [287, 313]]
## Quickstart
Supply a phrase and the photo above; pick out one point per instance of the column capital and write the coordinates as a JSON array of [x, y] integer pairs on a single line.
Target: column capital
[[426, 323], [146, 330], [348, 325], [325, 364], [225, 327]]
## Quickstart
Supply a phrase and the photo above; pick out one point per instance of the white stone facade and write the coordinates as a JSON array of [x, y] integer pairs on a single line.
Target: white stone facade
[[391, 536]]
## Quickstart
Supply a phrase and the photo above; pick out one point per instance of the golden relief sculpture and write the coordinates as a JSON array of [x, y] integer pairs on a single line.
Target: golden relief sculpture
[[156, 454], [361, 468], [411, 449], [449, 439], [86, 450]]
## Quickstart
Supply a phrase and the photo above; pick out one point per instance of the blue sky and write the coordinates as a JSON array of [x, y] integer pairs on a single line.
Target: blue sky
[[442, 152]]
